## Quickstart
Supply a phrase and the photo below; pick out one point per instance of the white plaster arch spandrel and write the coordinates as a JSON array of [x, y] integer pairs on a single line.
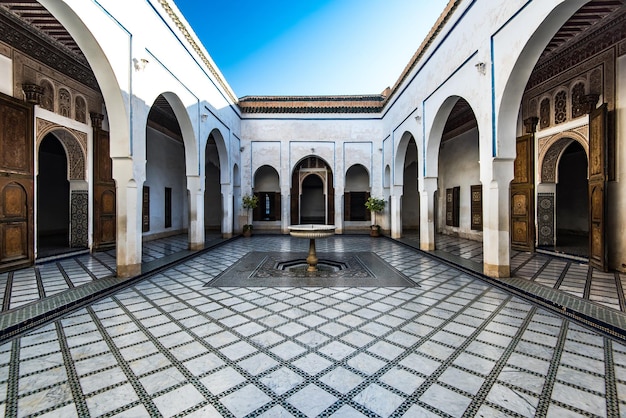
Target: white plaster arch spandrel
[[538, 22]]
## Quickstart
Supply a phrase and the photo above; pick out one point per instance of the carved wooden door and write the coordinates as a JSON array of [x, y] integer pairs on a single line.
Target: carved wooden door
[[597, 187], [523, 196], [16, 183], [104, 191]]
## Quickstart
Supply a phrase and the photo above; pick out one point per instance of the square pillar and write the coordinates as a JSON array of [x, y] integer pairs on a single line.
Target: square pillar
[[427, 213], [196, 213]]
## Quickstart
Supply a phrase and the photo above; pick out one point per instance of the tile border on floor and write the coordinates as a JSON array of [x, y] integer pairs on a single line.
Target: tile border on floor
[[607, 321]]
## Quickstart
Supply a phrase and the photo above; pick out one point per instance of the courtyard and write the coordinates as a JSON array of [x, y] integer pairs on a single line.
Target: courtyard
[[445, 344]]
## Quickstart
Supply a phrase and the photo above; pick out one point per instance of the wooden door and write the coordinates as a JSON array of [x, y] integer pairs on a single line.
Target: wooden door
[[16, 184], [597, 187], [523, 196], [104, 189]]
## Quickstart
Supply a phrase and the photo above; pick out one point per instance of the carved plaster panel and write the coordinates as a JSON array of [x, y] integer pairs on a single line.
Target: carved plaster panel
[[74, 142], [550, 150], [28, 70]]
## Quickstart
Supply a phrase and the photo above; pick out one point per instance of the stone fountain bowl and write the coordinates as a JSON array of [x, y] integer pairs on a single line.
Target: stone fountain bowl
[[312, 231]]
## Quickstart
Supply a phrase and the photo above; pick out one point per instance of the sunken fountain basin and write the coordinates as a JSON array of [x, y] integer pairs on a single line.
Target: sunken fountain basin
[[312, 231]]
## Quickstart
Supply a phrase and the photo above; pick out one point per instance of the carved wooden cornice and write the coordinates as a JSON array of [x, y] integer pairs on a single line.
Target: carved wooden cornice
[[24, 38], [606, 36]]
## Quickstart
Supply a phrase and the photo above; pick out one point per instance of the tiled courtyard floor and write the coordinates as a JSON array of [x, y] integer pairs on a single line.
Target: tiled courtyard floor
[[452, 346], [573, 277]]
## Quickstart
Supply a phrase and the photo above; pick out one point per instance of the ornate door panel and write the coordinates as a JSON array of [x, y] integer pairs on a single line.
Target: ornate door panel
[[16, 183], [104, 190], [523, 196], [597, 187]]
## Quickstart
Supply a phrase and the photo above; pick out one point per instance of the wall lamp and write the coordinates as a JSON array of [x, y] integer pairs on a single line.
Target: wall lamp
[[481, 67], [140, 64]]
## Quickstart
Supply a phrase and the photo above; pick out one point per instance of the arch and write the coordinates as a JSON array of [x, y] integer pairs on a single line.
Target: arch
[[306, 167], [552, 150], [401, 155], [431, 167], [53, 222], [266, 179], [356, 191], [387, 178], [187, 132], [507, 111], [354, 178], [80, 109], [222, 153], [111, 88], [47, 95], [74, 143]]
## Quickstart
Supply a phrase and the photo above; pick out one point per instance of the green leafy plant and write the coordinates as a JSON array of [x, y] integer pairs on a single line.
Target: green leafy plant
[[250, 202], [376, 205]]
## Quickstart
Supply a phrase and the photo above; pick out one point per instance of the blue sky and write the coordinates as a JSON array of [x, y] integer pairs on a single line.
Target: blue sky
[[311, 47]]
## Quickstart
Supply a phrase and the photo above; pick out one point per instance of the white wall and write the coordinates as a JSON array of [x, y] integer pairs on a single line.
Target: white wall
[[458, 166], [166, 168]]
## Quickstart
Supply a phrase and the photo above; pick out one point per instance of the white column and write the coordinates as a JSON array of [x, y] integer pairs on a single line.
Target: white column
[[339, 209], [128, 198], [227, 211], [427, 213], [395, 212], [196, 213], [496, 218]]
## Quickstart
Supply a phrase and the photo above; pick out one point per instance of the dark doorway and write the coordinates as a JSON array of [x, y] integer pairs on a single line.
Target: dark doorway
[[572, 204], [53, 197], [312, 201]]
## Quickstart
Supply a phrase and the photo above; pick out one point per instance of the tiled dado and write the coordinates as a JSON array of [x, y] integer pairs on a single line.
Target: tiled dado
[[455, 346]]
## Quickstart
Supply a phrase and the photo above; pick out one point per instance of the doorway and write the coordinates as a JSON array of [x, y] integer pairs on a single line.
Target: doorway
[[572, 203], [53, 197]]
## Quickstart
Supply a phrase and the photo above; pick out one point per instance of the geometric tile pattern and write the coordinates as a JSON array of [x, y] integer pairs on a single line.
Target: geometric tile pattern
[[28, 285], [573, 277], [79, 222], [455, 346], [262, 268]]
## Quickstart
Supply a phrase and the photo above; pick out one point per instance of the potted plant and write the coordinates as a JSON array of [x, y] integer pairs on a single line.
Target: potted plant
[[250, 202], [375, 205]]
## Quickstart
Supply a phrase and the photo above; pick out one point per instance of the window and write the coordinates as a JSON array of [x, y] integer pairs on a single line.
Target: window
[[168, 207], [477, 207], [268, 208], [452, 206], [355, 209], [145, 210]]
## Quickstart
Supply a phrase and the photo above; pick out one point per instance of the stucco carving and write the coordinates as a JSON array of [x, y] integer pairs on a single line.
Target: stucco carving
[[74, 142], [551, 148]]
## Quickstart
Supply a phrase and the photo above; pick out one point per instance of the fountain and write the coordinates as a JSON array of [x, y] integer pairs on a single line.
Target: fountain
[[312, 232]]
